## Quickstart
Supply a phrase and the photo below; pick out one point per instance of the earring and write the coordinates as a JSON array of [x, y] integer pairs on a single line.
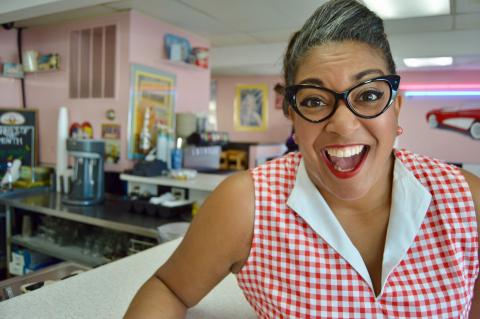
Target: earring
[[399, 130]]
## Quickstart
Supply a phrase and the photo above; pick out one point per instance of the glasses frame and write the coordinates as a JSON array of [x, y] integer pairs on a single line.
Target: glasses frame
[[393, 81]]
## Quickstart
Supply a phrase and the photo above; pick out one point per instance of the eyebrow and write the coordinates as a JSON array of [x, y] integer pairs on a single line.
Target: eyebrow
[[356, 77], [362, 74], [314, 81]]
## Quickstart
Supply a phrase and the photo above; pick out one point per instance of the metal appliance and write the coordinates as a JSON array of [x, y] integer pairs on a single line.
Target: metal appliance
[[88, 185]]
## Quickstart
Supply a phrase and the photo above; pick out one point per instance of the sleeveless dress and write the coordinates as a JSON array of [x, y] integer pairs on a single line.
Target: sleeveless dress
[[303, 265]]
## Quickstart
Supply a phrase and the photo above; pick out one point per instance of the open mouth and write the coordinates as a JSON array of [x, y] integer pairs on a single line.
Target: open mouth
[[345, 161]]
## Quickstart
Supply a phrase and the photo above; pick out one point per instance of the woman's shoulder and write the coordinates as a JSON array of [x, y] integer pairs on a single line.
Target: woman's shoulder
[[238, 188], [229, 213], [285, 164], [440, 173], [216, 243], [412, 158], [424, 166], [473, 182]]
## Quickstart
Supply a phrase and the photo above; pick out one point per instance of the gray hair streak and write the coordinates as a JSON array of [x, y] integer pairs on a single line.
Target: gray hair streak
[[336, 21]]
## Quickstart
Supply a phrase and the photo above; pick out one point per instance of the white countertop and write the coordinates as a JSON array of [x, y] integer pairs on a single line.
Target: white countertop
[[106, 292], [203, 182]]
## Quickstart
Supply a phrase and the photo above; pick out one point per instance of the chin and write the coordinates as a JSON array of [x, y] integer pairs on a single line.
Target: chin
[[347, 193]]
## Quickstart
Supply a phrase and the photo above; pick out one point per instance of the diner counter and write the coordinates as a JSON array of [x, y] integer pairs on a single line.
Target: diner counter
[[201, 182], [106, 292], [198, 188]]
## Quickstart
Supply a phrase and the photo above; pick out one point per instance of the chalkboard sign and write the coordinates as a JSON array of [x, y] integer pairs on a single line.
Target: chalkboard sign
[[18, 137]]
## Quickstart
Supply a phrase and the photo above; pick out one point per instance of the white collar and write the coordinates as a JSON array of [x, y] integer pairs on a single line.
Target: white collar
[[410, 202]]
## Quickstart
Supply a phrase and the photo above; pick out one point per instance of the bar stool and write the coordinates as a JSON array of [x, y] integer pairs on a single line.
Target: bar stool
[[237, 160], [224, 160]]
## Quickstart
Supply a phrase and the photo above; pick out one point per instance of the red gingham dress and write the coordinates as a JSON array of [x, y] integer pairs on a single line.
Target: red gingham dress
[[292, 272]]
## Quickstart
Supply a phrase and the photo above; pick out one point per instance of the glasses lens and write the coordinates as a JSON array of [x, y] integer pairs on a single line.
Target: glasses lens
[[315, 104], [370, 99]]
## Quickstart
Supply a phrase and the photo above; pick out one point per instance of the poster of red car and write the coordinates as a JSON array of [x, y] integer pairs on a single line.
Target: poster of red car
[[464, 119]]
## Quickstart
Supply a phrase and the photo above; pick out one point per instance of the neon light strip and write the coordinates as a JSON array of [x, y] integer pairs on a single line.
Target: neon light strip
[[440, 86], [442, 93]]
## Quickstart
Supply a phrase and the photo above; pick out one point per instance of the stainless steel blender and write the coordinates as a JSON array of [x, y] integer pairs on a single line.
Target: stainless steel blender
[[88, 185]]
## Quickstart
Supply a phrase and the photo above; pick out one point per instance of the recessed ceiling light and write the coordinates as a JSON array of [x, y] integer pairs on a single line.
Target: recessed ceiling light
[[419, 62], [394, 9]]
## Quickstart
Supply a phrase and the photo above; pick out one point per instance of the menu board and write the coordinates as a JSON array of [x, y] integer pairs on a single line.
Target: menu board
[[18, 137]]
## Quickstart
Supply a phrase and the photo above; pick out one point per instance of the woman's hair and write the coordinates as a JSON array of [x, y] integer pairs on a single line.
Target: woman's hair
[[336, 21]]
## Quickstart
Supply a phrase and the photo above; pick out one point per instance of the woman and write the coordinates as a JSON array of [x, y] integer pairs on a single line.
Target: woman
[[250, 113], [346, 227]]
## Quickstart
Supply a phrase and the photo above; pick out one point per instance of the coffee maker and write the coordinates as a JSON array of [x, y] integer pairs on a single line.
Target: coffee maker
[[88, 186]]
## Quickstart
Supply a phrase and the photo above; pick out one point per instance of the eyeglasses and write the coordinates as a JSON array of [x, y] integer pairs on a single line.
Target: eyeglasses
[[367, 100]]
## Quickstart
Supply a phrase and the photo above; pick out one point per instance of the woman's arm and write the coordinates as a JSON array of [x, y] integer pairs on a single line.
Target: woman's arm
[[474, 184], [156, 300], [217, 243]]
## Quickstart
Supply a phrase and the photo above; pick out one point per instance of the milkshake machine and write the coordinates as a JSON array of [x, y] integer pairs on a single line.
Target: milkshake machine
[[88, 185]]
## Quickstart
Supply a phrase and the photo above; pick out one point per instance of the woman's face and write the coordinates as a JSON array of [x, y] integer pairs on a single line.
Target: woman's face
[[250, 103], [345, 155]]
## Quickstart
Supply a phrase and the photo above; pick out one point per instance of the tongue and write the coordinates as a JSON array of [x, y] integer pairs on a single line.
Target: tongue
[[345, 163]]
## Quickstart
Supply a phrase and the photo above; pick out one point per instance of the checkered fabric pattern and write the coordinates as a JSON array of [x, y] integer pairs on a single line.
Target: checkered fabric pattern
[[293, 273]]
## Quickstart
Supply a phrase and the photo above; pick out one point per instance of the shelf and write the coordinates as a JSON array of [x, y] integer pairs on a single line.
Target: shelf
[[112, 214], [201, 182], [42, 71], [69, 253], [11, 77], [28, 73], [183, 65]]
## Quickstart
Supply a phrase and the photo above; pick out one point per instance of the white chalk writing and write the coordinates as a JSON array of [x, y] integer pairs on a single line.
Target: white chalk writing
[[14, 135]]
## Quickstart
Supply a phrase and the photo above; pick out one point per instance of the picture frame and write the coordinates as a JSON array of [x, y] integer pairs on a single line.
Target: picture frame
[[152, 106], [12, 70], [111, 135], [18, 137], [251, 108]]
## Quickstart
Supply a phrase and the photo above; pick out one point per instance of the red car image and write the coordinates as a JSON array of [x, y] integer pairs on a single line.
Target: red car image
[[465, 119]]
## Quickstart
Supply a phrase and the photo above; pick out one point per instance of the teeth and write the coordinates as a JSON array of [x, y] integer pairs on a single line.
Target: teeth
[[338, 168], [348, 151]]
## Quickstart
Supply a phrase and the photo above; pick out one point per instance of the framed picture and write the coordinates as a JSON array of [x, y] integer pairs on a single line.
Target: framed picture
[[152, 99], [111, 136], [18, 137], [251, 107]]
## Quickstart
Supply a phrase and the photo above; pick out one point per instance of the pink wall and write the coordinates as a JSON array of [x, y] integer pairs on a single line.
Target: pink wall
[[439, 143], [417, 136], [279, 126], [139, 40], [48, 91], [10, 89], [146, 47]]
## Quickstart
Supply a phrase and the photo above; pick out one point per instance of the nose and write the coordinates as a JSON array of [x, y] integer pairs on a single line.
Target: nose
[[343, 122]]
